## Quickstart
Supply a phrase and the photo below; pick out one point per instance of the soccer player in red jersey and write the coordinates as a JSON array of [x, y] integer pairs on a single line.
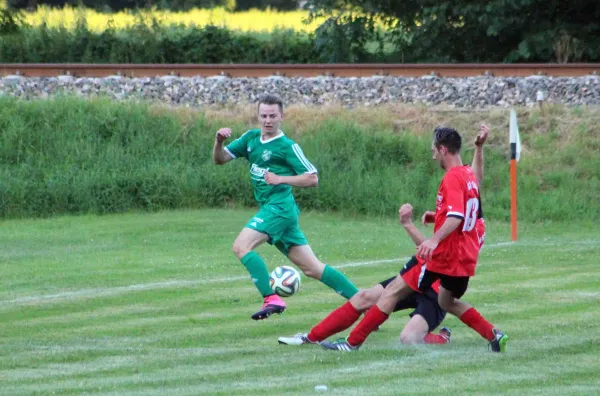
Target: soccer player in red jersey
[[427, 314], [451, 254]]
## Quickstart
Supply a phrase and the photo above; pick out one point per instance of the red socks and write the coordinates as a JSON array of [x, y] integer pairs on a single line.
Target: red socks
[[338, 320], [372, 320], [474, 320]]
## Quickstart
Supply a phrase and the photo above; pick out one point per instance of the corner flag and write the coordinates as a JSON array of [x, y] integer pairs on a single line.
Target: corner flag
[[515, 140], [515, 155]]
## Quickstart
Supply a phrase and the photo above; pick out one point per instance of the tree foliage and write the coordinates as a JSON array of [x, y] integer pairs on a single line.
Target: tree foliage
[[477, 31]]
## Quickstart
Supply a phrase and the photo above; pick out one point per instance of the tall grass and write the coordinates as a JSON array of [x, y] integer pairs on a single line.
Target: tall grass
[[73, 156]]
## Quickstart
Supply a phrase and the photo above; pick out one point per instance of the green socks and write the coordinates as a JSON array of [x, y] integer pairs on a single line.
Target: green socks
[[338, 282], [258, 273]]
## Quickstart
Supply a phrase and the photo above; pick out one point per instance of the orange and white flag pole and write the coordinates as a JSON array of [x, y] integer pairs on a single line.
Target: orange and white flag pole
[[515, 154]]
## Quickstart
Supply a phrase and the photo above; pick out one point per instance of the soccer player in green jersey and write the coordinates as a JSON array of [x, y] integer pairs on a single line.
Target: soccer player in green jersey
[[276, 164]]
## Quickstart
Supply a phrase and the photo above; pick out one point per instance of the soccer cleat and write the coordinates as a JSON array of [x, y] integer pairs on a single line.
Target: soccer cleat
[[339, 345], [272, 305], [446, 333], [298, 339], [498, 344]]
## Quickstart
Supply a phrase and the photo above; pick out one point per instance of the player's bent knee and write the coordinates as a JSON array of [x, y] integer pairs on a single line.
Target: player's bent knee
[[240, 249], [363, 300], [411, 337]]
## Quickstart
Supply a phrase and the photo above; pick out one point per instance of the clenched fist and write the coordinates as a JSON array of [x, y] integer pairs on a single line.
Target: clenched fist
[[223, 134], [482, 135], [405, 213]]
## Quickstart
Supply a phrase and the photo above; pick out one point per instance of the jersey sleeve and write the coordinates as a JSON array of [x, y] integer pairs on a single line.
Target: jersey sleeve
[[298, 161], [454, 197], [238, 148]]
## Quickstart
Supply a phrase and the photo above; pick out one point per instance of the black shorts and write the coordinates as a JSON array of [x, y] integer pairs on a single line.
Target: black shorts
[[456, 284], [424, 304]]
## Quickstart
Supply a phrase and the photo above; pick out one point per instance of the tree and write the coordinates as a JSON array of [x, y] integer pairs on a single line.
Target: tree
[[281, 5], [476, 31]]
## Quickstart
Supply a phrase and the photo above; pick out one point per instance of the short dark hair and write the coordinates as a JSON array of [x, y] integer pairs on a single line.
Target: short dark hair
[[447, 137], [271, 99]]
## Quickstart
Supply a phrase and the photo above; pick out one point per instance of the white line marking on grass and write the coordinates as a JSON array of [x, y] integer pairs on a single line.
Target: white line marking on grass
[[112, 291]]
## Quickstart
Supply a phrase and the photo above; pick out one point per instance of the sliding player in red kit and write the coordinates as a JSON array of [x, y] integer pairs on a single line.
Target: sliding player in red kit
[[427, 314], [450, 255]]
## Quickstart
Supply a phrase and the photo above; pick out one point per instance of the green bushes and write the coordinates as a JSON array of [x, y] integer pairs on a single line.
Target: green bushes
[[154, 43], [73, 156]]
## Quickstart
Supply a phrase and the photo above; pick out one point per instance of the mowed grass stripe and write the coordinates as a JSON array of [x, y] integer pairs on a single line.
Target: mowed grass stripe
[[91, 293]]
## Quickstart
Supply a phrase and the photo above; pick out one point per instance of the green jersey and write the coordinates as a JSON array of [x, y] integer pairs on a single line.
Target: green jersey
[[279, 155]]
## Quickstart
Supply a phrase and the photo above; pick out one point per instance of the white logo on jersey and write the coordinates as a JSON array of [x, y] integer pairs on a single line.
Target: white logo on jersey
[[266, 155], [253, 224], [258, 171], [249, 149]]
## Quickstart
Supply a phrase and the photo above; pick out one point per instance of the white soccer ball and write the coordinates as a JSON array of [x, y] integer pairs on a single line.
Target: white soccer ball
[[285, 281]]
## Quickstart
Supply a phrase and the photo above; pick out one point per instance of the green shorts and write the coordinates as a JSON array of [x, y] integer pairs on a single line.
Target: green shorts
[[283, 232]]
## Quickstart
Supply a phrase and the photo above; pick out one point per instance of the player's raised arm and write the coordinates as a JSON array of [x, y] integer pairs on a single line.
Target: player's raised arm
[[477, 164], [405, 216], [220, 155]]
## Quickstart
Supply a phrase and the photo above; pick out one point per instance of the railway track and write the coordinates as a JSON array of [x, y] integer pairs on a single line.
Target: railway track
[[299, 70]]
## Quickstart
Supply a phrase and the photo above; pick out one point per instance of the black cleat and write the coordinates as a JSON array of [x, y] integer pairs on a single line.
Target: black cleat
[[268, 310]]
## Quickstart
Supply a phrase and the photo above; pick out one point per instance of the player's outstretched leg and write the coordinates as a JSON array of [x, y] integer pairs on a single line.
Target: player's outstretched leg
[[338, 320], [306, 260], [242, 247], [472, 318], [379, 313]]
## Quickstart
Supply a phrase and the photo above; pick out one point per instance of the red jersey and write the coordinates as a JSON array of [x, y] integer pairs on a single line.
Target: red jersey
[[458, 196], [412, 272]]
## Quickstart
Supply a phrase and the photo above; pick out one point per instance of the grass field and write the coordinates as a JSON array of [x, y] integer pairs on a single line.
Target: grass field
[[253, 20], [156, 304]]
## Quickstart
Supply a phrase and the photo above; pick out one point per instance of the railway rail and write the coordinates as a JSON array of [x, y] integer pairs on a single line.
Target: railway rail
[[299, 70]]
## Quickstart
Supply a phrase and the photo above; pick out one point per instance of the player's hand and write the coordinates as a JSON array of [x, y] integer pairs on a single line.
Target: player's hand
[[428, 217], [425, 250], [482, 135], [272, 178], [405, 214], [223, 134]]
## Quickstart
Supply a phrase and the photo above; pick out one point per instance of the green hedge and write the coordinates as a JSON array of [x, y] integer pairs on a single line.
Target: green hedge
[[154, 44], [74, 156], [118, 5]]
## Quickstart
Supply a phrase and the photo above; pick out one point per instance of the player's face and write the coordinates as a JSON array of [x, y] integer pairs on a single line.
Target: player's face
[[269, 117], [438, 155]]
